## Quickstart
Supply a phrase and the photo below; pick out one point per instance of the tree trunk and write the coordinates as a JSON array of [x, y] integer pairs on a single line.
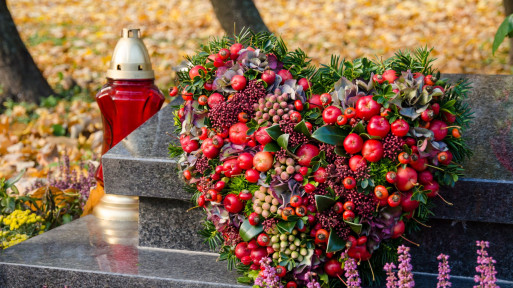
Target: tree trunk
[[20, 79], [237, 14], [508, 8]]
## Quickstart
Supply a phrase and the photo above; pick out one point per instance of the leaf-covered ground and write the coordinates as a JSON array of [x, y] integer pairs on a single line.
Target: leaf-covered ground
[[77, 37], [72, 42]]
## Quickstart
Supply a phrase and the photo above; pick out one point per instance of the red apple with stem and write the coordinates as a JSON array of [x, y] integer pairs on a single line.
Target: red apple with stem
[[406, 178], [400, 128], [269, 76]]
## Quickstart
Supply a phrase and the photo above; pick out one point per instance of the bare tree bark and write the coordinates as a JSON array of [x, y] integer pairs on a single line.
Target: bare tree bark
[[20, 79], [508, 8], [237, 14]]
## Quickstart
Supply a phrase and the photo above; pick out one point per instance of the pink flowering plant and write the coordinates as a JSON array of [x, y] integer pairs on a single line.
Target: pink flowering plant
[[316, 170]]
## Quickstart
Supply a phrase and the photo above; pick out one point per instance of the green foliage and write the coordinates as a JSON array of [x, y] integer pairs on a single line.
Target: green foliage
[[227, 254], [174, 150], [212, 237], [505, 29]]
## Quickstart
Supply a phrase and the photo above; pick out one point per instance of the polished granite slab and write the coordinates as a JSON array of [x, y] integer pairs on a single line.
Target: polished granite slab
[[95, 253]]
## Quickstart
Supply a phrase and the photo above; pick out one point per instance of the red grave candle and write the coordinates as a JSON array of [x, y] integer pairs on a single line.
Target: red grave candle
[[130, 96]]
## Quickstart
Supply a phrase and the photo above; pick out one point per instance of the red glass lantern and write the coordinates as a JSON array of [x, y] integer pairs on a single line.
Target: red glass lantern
[[130, 96]]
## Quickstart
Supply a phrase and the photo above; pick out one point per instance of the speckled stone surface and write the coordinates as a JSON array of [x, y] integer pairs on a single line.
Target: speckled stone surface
[[166, 223], [92, 253]]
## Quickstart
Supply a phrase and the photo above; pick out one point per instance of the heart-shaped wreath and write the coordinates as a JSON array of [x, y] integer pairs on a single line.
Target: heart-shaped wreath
[[301, 169]]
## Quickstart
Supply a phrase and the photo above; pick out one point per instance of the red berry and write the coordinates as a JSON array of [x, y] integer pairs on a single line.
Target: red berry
[[349, 183], [309, 188], [381, 192], [303, 82], [245, 195], [173, 91], [342, 120], [391, 177], [296, 201], [243, 117], [269, 76], [295, 117], [280, 271], [400, 128], [263, 239], [349, 206], [348, 216], [202, 100], [224, 54], [404, 158], [338, 207], [254, 219], [234, 50], [394, 200], [298, 104], [187, 175], [325, 99], [378, 78], [350, 112], [285, 75]]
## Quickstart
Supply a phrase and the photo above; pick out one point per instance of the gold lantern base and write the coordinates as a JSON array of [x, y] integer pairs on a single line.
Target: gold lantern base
[[117, 208]]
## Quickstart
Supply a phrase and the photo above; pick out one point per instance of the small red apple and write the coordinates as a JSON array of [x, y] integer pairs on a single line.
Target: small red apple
[[400, 128], [406, 178], [214, 100], [305, 153], [285, 75], [245, 160], [353, 143], [238, 133], [314, 102], [262, 137], [305, 83], [356, 162], [238, 82], [366, 107], [330, 114], [232, 203], [372, 150], [378, 126], [263, 161], [269, 76]]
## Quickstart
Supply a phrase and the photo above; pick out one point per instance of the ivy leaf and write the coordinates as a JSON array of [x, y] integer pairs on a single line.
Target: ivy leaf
[[274, 131], [271, 147], [248, 231], [364, 183], [357, 228], [340, 151], [359, 128], [286, 226], [335, 243], [419, 196], [301, 128], [332, 135], [283, 141], [323, 202]]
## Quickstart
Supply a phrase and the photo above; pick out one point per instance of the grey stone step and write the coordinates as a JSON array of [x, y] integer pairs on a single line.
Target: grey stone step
[[94, 253]]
